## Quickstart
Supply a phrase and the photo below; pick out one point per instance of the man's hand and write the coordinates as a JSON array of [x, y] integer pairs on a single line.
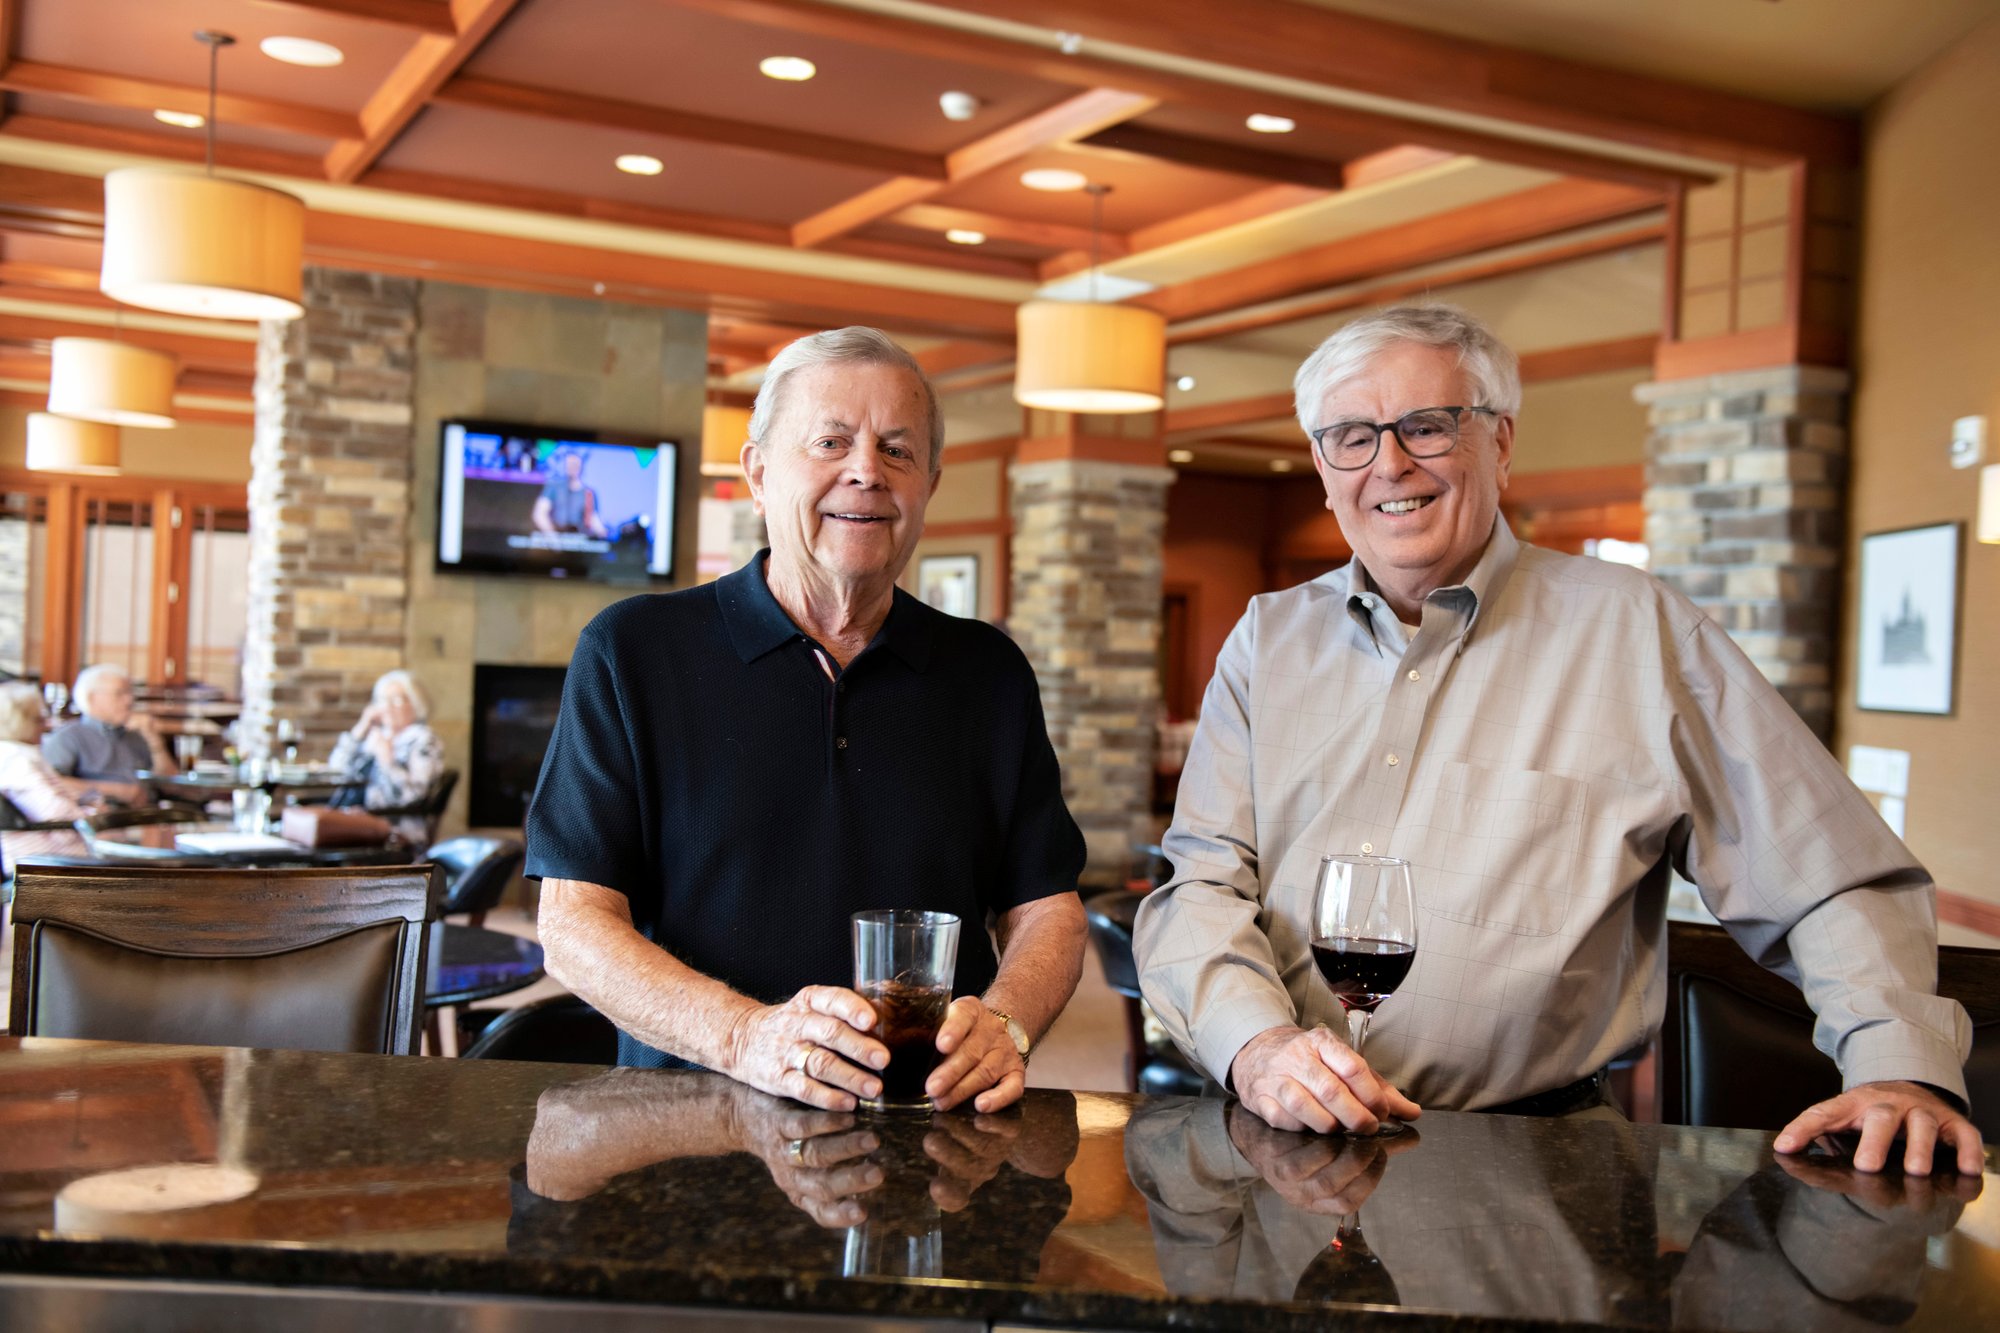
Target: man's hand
[[818, 1158], [1880, 1111], [1330, 1177], [979, 1059], [1311, 1080], [812, 1048]]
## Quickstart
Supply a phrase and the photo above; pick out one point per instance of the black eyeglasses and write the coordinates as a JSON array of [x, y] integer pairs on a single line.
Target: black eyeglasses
[[1349, 446]]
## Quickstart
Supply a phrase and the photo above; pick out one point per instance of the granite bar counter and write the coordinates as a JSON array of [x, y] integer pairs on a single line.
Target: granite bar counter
[[278, 1187]]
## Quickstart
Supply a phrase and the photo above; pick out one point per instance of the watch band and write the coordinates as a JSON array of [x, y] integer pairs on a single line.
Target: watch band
[[1017, 1034]]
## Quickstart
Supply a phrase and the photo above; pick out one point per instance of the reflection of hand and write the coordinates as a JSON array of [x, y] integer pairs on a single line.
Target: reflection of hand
[[969, 1152], [1332, 1177], [814, 1047], [979, 1059], [818, 1158], [1881, 1111], [1311, 1080], [1880, 1192]]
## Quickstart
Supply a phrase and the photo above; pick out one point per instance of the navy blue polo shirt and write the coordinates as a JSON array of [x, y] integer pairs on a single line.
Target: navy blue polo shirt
[[748, 797]]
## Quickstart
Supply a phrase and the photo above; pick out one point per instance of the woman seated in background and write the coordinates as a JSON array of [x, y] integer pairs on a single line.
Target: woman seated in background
[[37, 791], [390, 754]]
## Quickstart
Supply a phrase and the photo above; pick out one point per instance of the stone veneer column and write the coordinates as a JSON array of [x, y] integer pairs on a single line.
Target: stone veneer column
[[1085, 588], [329, 505], [1745, 487]]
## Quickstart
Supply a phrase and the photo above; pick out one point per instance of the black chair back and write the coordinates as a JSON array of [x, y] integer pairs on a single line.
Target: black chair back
[[302, 959], [1737, 1047], [559, 1030], [476, 872]]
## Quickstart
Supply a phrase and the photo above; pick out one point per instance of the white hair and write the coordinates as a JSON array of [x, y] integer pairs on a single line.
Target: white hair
[[420, 702], [1491, 366], [88, 679], [20, 712], [856, 345]]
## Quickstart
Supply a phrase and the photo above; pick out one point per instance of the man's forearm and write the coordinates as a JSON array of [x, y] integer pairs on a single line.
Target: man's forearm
[[592, 948], [1041, 960]]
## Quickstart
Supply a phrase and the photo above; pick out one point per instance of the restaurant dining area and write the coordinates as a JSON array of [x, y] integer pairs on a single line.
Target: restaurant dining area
[[986, 665]]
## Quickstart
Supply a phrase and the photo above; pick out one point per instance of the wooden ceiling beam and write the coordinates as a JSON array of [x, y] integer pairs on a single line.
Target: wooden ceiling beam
[[37, 281], [1220, 416], [1250, 321], [945, 358], [1190, 150], [1201, 222], [149, 95], [10, 31], [1526, 215], [915, 37], [38, 402], [691, 127], [1054, 235], [208, 353], [1562, 363], [1392, 60], [965, 259], [432, 16], [1073, 118], [174, 147], [428, 65]]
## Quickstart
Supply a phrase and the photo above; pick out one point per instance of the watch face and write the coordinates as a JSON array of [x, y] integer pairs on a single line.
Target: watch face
[[1020, 1037]]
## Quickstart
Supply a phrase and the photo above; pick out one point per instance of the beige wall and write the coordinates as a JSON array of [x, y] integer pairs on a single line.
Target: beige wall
[[1929, 351], [191, 451], [1588, 421]]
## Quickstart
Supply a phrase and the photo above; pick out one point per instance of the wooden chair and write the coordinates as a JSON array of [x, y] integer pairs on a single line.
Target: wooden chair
[[302, 959], [1737, 1046]]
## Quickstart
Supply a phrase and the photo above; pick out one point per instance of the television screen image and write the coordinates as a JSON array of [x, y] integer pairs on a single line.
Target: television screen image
[[559, 503]]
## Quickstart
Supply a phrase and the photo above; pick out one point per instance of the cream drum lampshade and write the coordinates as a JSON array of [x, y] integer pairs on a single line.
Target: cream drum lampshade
[[95, 379], [1086, 356], [64, 444], [723, 431], [191, 244]]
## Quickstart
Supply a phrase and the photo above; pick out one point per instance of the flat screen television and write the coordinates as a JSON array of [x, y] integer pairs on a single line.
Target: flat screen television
[[555, 502]]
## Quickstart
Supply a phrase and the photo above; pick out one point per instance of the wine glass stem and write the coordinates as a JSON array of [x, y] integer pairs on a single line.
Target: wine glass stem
[[1357, 1028]]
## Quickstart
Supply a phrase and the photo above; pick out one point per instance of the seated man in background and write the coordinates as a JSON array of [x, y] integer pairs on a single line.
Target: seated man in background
[[739, 767], [110, 745], [1545, 738]]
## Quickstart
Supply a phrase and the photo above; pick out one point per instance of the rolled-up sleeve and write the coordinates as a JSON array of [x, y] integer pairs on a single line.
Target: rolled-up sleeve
[[1205, 964]]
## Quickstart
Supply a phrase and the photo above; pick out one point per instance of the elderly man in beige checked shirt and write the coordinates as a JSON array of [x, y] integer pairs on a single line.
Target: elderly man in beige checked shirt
[[1544, 737]]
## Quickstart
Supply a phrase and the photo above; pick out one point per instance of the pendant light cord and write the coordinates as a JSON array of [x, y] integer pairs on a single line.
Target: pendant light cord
[[214, 41], [1097, 193]]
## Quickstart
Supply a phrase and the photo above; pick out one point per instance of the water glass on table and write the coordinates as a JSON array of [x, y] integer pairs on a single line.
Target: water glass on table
[[252, 809], [187, 750], [1364, 937], [903, 966]]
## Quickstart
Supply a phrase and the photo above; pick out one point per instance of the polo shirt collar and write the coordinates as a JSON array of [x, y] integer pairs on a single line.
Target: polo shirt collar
[[1481, 587], [757, 624]]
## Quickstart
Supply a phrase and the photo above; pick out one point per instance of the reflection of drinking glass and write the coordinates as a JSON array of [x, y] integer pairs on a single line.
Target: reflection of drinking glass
[[903, 964], [1364, 937], [56, 695], [187, 750], [252, 807], [903, 1232]]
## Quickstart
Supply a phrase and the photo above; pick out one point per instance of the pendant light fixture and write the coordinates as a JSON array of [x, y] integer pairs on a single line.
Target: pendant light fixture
[[194, 243], [97, 379], [1090, 356], [64, 444]]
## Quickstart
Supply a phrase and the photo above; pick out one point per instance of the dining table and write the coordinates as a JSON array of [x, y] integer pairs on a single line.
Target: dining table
[[164, 1187], [163, 844]]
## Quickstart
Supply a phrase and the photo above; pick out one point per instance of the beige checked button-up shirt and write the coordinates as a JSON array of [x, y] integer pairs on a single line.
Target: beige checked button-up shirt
[[1556, 735]]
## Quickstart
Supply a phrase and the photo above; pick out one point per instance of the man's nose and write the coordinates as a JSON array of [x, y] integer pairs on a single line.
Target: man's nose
[[864, 465], [1391, 460]]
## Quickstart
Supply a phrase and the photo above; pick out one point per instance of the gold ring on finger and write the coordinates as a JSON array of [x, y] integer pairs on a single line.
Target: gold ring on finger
[[796, 1150]]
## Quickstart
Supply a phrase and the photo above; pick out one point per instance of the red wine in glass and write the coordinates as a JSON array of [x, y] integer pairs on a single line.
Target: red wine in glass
[[1363, 972]]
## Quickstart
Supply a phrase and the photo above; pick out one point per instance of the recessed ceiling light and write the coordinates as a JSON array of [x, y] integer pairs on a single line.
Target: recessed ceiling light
[[1054, 179], [965, 236], [302, 51], [958, 106], [639, 164], [1184, 383], [790, 69], [1180, 455], [1264, 124], [1281, 465], [186, 120]]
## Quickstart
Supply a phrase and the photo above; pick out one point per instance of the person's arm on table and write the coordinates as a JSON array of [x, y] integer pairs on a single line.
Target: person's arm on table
[[1811, 883], [1204, 964], [793, 1049]]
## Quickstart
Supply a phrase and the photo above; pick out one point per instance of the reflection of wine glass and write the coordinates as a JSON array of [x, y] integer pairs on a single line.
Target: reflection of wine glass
[[1364, 937], [187, 750], [56, 695]]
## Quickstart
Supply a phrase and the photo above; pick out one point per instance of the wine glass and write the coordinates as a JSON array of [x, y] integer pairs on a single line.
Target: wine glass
[[1364, 937], [288, 737], [56, 695], [187, 750]]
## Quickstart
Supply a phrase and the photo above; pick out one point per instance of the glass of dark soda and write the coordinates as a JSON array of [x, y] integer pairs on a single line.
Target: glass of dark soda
[[903, 964]]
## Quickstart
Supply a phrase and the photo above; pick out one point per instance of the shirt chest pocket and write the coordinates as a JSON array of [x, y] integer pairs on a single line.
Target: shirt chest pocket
[[1504, 848]]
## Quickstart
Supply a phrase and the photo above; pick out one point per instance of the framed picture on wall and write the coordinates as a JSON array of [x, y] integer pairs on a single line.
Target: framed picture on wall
[[950, 583], [1908, 631]]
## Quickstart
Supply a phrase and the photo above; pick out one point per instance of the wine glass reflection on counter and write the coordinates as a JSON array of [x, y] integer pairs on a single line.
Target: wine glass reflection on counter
[[624, 1164]]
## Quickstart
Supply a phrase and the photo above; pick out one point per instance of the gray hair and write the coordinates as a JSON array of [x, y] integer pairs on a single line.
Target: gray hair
[[419, 700], [20, 712], [88, 679], [1490, 364], [856, 345]]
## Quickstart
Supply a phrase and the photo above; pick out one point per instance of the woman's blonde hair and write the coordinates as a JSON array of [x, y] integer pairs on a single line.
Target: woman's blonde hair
[[419, 701], [20, 712]]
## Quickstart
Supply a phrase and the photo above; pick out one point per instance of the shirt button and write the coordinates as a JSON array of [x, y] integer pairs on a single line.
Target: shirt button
[[1368, 602], [1415, 676], [1367, 849], [841, 744], [1392, 761]]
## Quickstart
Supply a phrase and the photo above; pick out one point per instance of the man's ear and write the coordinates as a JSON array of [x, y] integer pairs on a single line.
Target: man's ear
[[752, 460], [1503, 439]]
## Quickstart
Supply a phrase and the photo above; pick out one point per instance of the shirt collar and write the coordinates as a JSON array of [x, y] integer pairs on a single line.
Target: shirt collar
[[1482, 586], [757, 624]]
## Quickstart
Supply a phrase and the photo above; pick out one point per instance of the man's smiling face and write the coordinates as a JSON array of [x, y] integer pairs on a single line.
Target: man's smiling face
[[1416, 524]]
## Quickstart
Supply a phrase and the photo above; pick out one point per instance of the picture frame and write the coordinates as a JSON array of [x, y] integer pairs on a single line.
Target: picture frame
[[950, 583], [1907, 639]]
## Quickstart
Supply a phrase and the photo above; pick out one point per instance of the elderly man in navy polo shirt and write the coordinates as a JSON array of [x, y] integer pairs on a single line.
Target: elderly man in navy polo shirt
[[739, 767]]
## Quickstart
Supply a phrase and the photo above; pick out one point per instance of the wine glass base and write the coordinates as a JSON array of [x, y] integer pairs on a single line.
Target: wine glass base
[[1383, 1129]]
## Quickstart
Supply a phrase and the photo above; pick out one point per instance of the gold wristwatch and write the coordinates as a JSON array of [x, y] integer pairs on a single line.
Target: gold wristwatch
[[1015, 1033]]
